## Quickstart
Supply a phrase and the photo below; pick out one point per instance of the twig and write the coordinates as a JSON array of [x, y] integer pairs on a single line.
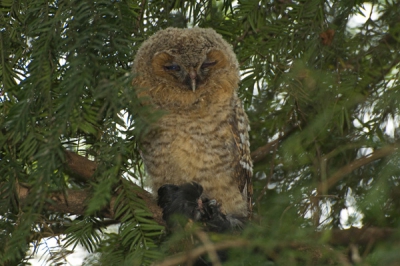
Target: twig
[[345, 170], [264, 150], [209, 247], [196, 252], [261, 152]]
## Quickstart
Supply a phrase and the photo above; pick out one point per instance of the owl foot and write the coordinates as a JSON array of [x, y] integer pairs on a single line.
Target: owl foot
[[217, 221], [185, 200], [213, 219], [180, 203]]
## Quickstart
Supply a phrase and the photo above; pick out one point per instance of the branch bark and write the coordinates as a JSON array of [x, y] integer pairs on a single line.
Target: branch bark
[[74, 201], [79, 166]]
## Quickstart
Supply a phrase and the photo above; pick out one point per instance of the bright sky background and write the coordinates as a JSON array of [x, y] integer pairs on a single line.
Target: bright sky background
[[40, 258]]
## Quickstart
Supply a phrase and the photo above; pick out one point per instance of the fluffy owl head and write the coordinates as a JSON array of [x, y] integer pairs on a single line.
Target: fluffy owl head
[[179, 67]]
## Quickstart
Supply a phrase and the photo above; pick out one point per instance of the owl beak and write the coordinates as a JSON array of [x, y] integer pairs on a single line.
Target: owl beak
[[193, 85], [193, 76]]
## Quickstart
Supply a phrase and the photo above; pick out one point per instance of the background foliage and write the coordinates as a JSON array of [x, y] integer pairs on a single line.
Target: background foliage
[[322, 96]]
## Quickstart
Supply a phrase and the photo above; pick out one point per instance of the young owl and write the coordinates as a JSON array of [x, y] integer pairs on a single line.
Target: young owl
[[192, 75]]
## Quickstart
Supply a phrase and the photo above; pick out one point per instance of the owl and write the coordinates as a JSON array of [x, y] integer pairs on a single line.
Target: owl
[[192, 76]]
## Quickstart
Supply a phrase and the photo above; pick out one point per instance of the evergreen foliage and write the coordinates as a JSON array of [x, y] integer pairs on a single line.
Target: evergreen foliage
[[322, 96]]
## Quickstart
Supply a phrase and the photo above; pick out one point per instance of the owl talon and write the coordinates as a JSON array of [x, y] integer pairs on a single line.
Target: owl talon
[[212, 202]]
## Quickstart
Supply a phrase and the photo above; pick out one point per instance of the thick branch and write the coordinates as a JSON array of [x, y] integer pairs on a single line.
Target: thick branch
[[84, 169], [79, 166], [73, 202]]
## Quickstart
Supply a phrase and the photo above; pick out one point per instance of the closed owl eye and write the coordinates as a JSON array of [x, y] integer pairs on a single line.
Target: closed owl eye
[[173, 67], [208, 64]]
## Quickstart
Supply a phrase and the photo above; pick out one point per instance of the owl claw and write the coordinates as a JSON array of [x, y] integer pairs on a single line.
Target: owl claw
[[212, 202], [193, 85], [213, 218]]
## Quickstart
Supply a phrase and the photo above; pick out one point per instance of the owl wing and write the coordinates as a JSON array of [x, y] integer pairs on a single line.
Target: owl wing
[[243, 165]]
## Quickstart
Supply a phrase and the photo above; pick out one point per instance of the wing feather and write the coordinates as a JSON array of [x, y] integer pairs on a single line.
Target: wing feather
[[243, 165]]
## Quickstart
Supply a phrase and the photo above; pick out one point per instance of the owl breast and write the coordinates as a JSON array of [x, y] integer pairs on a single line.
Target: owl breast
[[198, 146]]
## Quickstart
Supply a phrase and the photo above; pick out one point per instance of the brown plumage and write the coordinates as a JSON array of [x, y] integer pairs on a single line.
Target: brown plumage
[[193, 75]]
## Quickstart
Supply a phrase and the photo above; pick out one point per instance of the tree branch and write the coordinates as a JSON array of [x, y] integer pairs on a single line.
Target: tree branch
[[345, 170], [201, 250], [264, 150], [361, 236], [75, 201], [79, 166]]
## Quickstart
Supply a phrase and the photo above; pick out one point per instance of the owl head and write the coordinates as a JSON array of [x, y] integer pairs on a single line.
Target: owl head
[[180, 67]]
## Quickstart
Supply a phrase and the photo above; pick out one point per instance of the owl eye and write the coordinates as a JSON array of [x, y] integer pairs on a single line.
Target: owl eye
[[172, 68], [208, 64]]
